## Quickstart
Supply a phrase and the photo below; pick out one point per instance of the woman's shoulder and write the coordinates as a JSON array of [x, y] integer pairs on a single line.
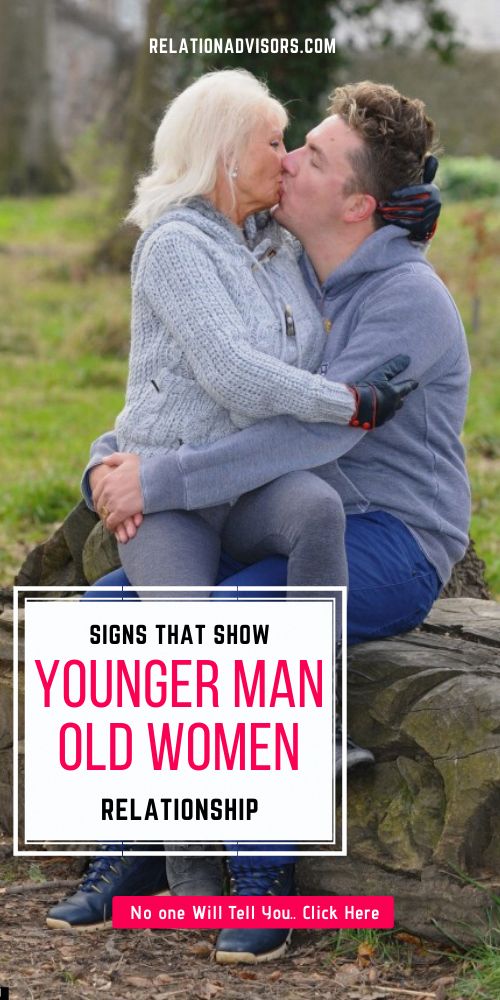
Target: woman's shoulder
[[161, 240], [173, 236], [172, 226], [197, 222]]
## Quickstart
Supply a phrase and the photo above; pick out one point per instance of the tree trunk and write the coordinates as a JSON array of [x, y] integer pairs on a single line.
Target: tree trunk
[[155, 79], [467, 578], [30, 161]]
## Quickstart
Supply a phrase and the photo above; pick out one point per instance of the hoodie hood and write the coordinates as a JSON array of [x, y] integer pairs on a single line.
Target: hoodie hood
[[385, 249]]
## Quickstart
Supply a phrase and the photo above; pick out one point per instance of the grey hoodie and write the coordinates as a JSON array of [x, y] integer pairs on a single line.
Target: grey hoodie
[[384, 300]]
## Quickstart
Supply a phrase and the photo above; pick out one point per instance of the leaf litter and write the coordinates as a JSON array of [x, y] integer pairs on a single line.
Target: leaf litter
[[42, 964]]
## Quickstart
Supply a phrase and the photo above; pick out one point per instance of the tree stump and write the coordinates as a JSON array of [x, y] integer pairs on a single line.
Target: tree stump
[[6, 720], [424, 822]]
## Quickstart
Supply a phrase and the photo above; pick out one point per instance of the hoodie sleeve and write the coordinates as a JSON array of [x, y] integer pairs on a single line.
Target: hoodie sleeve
[[161, 478], [182, 286], [195, 477], [103, 446]]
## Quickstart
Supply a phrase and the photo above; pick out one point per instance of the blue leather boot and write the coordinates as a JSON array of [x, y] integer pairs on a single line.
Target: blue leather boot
[[251, 945], [89, 908]]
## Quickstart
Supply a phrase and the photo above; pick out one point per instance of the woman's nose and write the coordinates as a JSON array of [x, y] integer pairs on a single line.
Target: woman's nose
[[282, 153]]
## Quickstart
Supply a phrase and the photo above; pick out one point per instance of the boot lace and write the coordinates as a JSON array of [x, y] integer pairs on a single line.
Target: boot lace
[[258, 881], [100, 868]]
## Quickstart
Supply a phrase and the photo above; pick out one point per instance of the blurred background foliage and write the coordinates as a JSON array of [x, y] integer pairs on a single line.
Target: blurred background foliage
[[79, 105]]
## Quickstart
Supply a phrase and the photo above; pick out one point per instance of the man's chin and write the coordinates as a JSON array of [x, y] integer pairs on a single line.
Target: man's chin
[[284, 220]]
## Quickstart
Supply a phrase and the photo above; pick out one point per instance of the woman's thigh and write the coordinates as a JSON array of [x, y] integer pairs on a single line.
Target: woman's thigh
[[297, 509], [172, 548]]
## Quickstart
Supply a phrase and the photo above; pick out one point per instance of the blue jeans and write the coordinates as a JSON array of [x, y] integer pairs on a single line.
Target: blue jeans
[[392, 587]]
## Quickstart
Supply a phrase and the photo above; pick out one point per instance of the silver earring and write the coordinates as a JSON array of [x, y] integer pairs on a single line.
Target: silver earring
[[234, 173]]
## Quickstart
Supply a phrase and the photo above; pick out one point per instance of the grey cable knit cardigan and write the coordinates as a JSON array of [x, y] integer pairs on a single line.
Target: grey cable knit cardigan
[[223, 333]]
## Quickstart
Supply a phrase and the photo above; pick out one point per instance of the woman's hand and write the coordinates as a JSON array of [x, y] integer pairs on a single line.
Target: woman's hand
[[117, 494], [96, 475], [128, 528]]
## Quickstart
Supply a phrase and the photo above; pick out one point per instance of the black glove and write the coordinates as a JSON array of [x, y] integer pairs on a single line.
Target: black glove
[[415, 208], [377, 399]]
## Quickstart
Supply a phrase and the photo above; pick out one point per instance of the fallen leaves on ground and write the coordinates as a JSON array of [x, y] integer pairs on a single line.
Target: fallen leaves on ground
[[56, 965]]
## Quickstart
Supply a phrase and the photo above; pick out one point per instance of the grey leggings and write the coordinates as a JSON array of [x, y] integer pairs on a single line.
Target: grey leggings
[[297, 515]]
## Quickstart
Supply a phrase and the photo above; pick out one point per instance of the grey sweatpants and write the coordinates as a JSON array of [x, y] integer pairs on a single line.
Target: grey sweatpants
[[298, 516]]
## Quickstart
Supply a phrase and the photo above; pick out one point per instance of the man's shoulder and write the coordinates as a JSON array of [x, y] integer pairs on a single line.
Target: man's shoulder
[[412, 284], [416, 268]]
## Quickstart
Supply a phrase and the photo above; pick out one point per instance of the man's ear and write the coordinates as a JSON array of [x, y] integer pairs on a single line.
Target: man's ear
[[360, 207]]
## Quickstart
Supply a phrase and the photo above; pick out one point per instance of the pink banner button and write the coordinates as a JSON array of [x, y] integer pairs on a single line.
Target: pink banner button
[[200, 912]]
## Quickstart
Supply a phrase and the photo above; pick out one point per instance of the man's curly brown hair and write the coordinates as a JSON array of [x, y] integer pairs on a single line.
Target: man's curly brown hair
[[397, 135]]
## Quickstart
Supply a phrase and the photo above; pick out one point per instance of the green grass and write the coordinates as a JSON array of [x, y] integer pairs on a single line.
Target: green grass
[[479, 975], [395, 956], [53, 410], [382, 945], [64, 334], [64, 341], [478, 972]]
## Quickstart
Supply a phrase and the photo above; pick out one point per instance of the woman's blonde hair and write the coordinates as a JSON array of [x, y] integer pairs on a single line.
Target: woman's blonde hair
[[206, 125]]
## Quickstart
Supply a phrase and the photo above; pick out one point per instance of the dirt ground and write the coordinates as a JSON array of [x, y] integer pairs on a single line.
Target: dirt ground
[[39, 964]]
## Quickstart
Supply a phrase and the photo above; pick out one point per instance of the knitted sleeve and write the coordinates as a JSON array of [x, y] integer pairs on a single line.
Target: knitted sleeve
[[183, 287]]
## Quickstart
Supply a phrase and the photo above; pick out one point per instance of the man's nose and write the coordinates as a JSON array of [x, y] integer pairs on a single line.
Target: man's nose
[[290, 162]]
